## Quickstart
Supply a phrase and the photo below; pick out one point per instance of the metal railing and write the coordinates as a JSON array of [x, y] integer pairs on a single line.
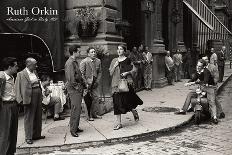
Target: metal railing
[[209, 26]]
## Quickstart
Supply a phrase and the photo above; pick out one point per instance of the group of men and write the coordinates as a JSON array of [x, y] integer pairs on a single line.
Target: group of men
[[173, 66], [208, 74], [26, 90], [82, 81], [142, 59]]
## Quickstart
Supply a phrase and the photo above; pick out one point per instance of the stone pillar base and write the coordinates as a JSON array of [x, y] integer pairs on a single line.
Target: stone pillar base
[[160, 83], [181, 46], [158, 65]]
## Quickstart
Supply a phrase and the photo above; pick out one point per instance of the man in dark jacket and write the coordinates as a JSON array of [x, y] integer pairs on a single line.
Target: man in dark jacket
[[74, 86], [8, 107], [221, 63], [204, 78]]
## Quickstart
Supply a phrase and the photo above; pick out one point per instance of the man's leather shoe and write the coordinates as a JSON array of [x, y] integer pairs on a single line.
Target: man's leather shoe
[[48, 117], [97, 117], [29, 141], [90, 119], [37, 138], [190, 109], [58, 118], [215, 121], [180, 113], [222, 115], [79, 130], [74, 134]]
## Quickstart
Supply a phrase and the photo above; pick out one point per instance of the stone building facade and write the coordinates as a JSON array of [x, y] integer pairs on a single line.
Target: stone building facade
[[160, 24]]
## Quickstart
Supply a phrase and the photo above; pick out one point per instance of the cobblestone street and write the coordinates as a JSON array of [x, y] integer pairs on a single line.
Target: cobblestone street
[[204, 139]]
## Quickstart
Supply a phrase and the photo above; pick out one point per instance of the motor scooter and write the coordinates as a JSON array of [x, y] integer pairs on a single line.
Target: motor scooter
[[200, 105]]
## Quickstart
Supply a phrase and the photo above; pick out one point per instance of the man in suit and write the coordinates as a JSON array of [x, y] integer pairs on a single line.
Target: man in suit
[[91, 73], [221, 63], [28, 92], [8, 107], [74, 85]]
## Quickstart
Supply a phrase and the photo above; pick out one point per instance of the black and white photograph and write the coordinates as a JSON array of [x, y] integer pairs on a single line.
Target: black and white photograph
[[115, 77]]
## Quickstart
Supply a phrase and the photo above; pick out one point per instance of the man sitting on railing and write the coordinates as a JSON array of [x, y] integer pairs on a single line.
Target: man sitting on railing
[[50, 101], [202, 77]]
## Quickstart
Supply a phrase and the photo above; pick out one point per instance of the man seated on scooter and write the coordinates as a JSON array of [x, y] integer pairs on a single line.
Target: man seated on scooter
[[204, 78]]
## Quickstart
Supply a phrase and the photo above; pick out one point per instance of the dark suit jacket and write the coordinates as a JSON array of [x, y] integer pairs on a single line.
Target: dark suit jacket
[[23, 88], [221, 58]]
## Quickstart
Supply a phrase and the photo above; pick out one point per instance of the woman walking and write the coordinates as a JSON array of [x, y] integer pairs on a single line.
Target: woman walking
[[123, 68]]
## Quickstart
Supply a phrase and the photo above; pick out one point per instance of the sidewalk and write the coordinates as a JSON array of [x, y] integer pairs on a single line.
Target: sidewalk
[[156, 115]]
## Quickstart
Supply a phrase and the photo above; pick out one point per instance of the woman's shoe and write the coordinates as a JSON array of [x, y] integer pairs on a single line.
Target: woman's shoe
[[117, 127], [58, 118], [136, 115], [91, 119]]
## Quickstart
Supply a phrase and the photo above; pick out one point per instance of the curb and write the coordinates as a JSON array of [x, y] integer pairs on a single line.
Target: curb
[[223, 84], [46, 149]]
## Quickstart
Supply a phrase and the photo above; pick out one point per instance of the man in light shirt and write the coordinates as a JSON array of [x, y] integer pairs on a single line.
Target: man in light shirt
[[177, 59], [8, 107], [169, 68], [29, 93], [213, 57]]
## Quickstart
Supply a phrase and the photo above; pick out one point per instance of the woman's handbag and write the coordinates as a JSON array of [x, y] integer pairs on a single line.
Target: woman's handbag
[[123, 85]]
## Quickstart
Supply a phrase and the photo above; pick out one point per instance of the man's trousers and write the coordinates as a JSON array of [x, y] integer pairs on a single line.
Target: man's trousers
[[8, 128], [33, 115], [76, 98]]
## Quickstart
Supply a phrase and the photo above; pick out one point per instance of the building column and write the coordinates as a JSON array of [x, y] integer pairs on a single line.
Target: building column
[[108, 37], [158, 48], [180, 28]]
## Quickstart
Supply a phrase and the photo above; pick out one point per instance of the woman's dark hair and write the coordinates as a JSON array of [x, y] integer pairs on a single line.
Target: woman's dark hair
[[124, 48], [73, 49], [8, 61]]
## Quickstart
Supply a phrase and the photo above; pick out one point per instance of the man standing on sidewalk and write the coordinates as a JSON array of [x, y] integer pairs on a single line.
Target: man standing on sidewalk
[[74, 85], [8, 107], [214, 72], [29, 93], [169, 68], [177, 59], [213, 57], [221, 63], [147, 68], [90, 68]]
